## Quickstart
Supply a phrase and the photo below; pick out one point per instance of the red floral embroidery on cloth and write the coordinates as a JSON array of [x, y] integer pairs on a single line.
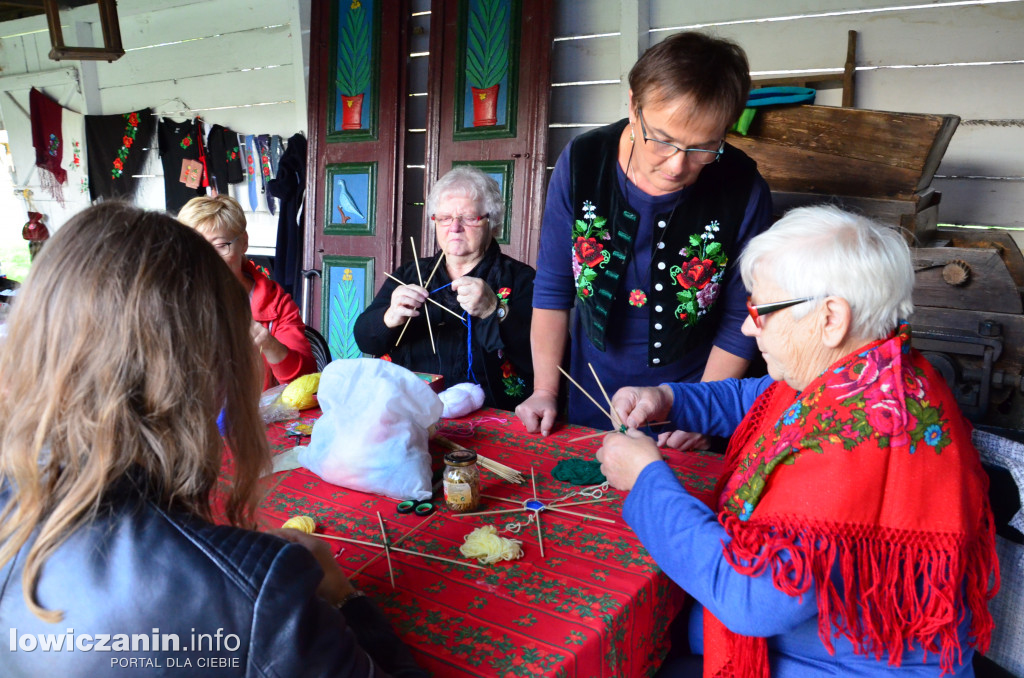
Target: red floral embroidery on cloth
[[829, 481], [130, 131], [504, 293]]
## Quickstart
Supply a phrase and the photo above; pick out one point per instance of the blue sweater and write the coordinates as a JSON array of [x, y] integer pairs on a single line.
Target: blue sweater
[[684, 537], [624, 363]]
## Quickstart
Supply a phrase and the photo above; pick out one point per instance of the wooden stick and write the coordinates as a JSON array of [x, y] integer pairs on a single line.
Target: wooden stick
[[576, 513], [439, 305], [436, 264], [347, 539], [510, 501], [398, 541], [488, 513], [419, 274], [592, 435], [540, 535], [616, 422], [398, 550], [584, 392], [604, 433], [387, 549], [581, 503]]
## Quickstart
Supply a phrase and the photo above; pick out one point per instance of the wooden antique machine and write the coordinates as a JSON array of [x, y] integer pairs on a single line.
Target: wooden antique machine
[[968, 316]]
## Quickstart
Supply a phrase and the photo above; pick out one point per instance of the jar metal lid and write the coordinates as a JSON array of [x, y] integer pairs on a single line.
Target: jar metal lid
[[460, 458]]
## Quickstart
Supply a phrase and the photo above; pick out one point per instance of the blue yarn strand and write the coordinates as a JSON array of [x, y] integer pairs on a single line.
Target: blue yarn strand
[[469, 347]]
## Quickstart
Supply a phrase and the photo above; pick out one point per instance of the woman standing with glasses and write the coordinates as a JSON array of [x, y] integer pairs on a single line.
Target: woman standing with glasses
[[643, 223], [479, 305], [277, 327]]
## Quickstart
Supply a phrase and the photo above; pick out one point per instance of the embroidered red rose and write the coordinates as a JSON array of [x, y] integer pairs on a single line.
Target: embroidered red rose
[[127, 141], [588, 251], [637, 298], [504, 293], [133, 119], [386, 357], [585, 292], [695, 273], [118, 164], [682, 316], [507, 370]]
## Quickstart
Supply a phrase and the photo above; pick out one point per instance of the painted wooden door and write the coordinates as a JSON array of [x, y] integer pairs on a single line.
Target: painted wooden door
[[354, 192], [490, 67]]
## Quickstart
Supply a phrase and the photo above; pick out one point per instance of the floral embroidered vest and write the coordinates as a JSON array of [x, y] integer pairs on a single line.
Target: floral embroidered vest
[[686, 273]]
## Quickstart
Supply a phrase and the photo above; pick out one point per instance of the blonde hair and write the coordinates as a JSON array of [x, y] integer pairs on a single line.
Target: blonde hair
[[210, 214], [128, 338]]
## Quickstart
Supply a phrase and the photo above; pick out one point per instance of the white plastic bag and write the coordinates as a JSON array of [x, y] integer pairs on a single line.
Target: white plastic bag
[[372, 436]]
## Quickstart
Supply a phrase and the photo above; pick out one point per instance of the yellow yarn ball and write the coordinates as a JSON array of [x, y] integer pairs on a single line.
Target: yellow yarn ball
[[301, 393], [488, 547], [301, 523]]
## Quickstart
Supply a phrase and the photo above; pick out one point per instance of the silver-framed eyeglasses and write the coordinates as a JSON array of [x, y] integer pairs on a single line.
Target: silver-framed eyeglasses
[[702, 156], [447, 220], [223, 248]]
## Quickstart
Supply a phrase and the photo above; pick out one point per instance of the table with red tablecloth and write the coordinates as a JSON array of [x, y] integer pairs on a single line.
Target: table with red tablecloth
[[595, 605]]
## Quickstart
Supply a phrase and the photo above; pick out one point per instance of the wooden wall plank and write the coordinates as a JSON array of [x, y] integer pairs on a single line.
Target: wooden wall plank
[[199, 20], [977, 150], [586, 103], [972, 92], [590, 59], [674, 13], [981, 202], [586, 18], [226, 53]]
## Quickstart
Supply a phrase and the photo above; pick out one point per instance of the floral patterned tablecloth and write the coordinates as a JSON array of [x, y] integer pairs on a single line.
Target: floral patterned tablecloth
[[595, 606]]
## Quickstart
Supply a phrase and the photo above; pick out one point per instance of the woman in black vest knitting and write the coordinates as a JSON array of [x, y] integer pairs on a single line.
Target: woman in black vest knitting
[[643, 223]]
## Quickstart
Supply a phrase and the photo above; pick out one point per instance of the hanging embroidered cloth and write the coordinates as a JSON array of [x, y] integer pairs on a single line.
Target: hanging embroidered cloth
[[73, 159], [117, 146], [863, 483], [225, 157], [47, 138], [180, 156], [252, 170]]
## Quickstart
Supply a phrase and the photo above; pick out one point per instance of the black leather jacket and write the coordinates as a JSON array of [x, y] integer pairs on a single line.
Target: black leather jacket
[[240, 603]]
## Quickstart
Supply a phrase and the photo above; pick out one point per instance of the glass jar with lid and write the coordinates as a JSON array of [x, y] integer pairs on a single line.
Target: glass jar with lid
[[461, 481]]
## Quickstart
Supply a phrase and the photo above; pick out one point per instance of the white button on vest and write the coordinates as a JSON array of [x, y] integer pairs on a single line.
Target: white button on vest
[[661, 265], [656, 361], [659, 287], [658, 308], [661, 224], [661, 245], [657, 344], [657, 326]]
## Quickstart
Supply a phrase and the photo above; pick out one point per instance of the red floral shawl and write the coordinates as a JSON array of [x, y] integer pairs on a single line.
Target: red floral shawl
[[868, 481]]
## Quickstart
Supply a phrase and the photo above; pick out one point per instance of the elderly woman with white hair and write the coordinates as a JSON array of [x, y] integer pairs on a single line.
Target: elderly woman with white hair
[[484, 336], [851, 531]]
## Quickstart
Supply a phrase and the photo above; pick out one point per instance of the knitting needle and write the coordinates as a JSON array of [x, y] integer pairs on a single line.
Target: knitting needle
[[581, 503], [540, 536], [387, 549], [436, 264], [419, 274], [604, 433], [613, 415], [439, 305], [398, 541], [574, 513], [584, 392], [487, 513], [398, 550]]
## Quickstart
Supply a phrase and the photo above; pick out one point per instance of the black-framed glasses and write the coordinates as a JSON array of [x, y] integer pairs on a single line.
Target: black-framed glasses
[[703, 156], [224, 248], [761, 310], [447, 220]]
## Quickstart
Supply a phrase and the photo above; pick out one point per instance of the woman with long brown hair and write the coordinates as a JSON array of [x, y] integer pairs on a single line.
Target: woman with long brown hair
[[128, 338]]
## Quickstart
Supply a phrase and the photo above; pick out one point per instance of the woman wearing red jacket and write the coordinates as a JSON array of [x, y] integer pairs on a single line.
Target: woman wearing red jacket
[[277, 328]]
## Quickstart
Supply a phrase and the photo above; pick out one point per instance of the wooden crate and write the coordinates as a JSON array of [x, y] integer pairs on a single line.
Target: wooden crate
[[875, 162]]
